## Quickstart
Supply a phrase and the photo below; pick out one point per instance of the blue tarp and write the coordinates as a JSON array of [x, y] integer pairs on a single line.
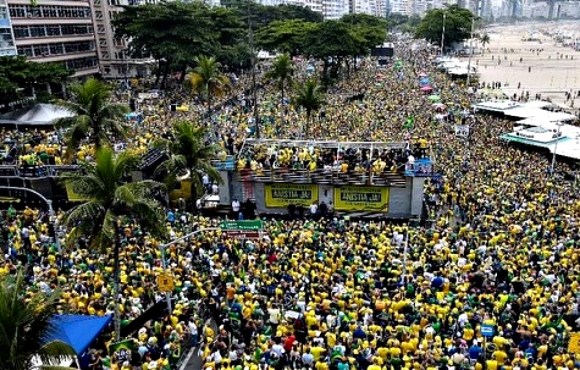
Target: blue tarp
[[78, 331]]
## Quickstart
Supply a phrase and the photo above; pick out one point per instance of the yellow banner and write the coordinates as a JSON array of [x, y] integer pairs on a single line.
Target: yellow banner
[[361, 198], [282, 195]]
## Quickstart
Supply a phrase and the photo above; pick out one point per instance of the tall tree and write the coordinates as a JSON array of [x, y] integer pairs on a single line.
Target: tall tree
[[281, 71], [207, 80], [108, 198], [457, 25], [187, 151], [373, 30], [18, 77], [287, 36], [309, 97], [172, 32], [485, 40], [26, 326], [95, 117], [336, 40]]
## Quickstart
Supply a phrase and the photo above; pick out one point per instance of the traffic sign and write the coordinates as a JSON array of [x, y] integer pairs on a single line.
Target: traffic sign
[[165, 282], [254, 225], [487, 330], [242, 229]]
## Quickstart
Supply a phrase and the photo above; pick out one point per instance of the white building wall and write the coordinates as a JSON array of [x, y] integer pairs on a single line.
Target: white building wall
[[7, 45], [334, 9]]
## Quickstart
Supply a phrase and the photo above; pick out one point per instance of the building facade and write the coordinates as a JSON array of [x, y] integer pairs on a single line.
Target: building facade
[[7, 45], [55, 31], [112, 51]]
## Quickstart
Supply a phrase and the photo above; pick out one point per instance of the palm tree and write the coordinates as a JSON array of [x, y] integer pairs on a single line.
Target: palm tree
[[95, 117], [188, 151], [309, 97], [108, 198], [282, 71], [26, 326], [208, 80], [485, 40]]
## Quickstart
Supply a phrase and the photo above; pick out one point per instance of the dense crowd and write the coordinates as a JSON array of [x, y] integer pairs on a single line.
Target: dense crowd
[[335, 294]]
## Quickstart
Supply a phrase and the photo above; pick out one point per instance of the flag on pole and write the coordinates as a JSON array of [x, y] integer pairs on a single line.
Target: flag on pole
[[410, 123]]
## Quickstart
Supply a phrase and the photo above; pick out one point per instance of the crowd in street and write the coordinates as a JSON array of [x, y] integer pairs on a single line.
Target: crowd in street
[[335, 294]]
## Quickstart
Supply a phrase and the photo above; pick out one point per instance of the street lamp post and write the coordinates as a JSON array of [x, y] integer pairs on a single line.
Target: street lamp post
[[470, 52], [162, 249], [443, 34], [51, 216]]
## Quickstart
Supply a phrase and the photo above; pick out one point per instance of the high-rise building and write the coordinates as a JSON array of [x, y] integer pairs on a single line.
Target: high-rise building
[[403, 7], [334, 9], [7, 46], [55, 31], [113, 54]]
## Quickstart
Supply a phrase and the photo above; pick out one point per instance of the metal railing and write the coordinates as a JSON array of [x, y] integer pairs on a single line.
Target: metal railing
[[323, 176]]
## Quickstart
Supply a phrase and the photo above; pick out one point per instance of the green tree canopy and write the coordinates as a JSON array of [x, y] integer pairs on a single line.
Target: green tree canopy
[[25, 326], [207, 80], [176, 32], [17, 76], [289, 36], [333, 39], [457, 25], [373, 30], [95, 116], [309, 97], [281, 72], [262, 15], [108, 198], [187, 151]]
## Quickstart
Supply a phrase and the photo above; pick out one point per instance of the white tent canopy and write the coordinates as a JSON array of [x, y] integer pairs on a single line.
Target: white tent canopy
[[38, 115]]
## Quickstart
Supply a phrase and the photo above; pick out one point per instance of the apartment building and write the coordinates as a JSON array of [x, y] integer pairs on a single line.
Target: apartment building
[[7, 46], [403, 7], [55, 31]]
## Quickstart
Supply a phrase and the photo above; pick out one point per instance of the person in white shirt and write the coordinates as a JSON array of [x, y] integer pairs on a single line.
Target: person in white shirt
[[236, 208], [313, 209]]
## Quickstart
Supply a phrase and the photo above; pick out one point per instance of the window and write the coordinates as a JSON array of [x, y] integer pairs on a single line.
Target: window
[[18, 11], [53, 30], [37, 31], [41, 50], [25, 51], [56, 49], [82, 63], [21, 32], [3, 13]]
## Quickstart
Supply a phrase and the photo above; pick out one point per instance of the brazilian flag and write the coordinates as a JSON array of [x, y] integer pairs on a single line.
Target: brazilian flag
[[127, 344], [410, 123]]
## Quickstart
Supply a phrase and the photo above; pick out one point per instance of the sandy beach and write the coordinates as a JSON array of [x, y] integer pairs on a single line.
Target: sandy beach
[[541, 66]]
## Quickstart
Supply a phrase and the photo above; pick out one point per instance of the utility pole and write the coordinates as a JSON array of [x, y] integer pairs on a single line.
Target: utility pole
[[254, 90], [443, 34], [162, 249]]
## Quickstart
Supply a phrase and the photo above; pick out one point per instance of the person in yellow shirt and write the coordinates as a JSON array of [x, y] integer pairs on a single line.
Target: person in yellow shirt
[[317, 351]]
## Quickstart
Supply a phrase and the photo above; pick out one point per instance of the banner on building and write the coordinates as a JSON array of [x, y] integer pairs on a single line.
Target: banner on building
[[462, 130], [282, 195], [361, 198]]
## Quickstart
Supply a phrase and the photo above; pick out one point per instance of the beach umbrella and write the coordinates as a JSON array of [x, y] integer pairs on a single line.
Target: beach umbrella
[[439, 107], [426, 88], [423, 74], [434, 98], [424, 81]]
